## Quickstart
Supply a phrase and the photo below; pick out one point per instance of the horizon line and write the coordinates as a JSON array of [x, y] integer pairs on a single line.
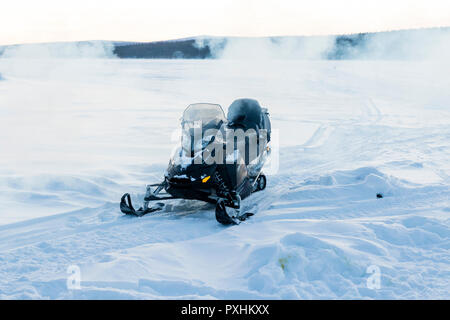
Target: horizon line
[[225, 37]]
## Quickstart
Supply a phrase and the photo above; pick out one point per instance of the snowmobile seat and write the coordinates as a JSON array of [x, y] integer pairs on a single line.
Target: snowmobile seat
[[247, 114], [244, 114]]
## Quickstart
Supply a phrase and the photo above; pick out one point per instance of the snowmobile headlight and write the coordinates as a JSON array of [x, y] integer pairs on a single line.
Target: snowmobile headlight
[[205, 179]]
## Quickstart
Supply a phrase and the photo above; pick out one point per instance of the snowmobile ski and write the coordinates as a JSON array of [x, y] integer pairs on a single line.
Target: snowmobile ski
[[223, 216], [127, 207]]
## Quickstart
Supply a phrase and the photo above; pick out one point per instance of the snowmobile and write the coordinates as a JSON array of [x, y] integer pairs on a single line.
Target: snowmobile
[[220, 160]]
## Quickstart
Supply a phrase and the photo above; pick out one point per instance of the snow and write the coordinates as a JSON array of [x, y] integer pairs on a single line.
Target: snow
[[78, 133]]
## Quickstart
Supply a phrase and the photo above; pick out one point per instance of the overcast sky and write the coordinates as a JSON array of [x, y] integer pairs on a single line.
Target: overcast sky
[[24, 21]]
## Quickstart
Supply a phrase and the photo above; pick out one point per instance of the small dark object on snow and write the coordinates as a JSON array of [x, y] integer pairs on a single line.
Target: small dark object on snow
[[379, 195]]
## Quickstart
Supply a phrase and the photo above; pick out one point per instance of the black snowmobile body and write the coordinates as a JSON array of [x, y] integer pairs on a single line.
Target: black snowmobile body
[[231, 177]]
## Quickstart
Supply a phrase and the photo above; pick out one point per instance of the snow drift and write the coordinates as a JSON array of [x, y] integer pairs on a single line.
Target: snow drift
[[77, 133]]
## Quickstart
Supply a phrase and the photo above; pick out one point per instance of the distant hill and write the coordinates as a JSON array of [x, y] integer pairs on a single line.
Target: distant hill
[[185, 49], [415, 43], [402, 44]]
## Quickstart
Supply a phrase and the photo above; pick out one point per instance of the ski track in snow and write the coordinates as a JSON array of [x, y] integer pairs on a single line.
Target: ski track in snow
[[348, 131]]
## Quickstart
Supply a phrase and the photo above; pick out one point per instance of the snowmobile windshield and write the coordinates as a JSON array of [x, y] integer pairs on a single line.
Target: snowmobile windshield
[[204, 116], [204, 113]]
